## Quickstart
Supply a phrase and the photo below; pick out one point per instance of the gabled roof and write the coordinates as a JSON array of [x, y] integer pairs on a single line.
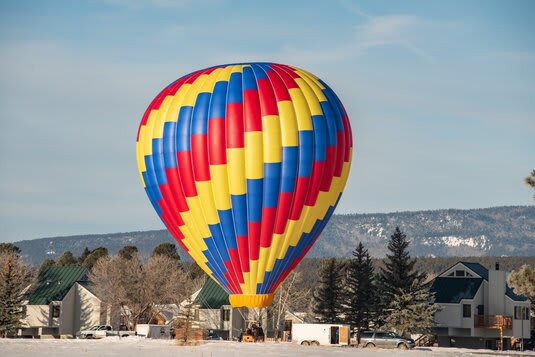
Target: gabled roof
[[89, 286], [54, 283], [453, 290], [484, 273], [211, 296], [478, 269]]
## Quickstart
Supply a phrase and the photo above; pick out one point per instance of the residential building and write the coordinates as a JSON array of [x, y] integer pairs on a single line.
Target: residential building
[[61, 303], [477, 308], [212, 311]]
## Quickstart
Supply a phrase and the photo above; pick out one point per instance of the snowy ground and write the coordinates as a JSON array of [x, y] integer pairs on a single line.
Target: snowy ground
[[135, 347]]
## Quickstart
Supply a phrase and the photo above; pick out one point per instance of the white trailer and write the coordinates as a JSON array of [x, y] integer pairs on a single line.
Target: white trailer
[[320, 334], [153, 331]]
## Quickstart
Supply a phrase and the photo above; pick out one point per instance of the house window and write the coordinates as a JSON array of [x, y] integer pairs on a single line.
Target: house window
[[459, 272], [521, 313], [467, 310], [225, 314], [56, 311]]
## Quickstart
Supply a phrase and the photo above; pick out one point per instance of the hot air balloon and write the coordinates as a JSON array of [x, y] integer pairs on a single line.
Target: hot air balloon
[[245, 164]]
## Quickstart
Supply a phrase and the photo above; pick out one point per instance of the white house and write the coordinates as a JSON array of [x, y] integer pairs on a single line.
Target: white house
[[212, 311], [62, 303], [477, 308]]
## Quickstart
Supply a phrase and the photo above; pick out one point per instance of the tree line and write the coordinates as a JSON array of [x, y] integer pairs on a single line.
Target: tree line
[[390, 293], [394, 297]]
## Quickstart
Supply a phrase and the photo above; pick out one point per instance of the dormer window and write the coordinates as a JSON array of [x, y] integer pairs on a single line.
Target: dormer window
[[460, 273]]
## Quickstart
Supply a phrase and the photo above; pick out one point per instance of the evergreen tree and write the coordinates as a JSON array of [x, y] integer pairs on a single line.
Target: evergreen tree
[[359, 302], [84, 255], [530, 180], [168, 249], [411, 310], [398, 272], [14, 277], [405, 299], [128, 251], [328, 293], [67, 259], [9, 248], [95, 255], [45, 264], [522, 281]]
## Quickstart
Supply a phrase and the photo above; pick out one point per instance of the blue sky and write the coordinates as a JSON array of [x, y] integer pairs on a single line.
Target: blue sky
[[441, 97]]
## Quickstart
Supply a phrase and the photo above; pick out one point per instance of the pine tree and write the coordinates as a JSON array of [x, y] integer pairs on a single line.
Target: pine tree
[[67, 259], [168, 249], [328, 294], [405, 299], [411, 310], [530, 180], [95, 255], [398, 272], [45, 264], [522, 281], [84, 255], [128, 251], [9, 248], [359, 292], [14, 277]]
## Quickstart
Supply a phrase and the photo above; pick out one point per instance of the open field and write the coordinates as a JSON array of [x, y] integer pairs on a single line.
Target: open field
[[134, 347]]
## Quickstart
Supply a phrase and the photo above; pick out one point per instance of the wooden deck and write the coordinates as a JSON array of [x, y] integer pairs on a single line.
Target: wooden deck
[[493, 321]]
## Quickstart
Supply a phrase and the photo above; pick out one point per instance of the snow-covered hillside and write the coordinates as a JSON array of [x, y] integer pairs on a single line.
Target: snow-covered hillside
[[491, 231], [475, 232]]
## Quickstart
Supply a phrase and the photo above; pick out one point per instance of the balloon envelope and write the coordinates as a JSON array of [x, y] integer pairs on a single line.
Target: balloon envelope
[[244, 164]]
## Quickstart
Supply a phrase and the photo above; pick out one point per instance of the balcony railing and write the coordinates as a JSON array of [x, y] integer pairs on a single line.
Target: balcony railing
[[493, 321]]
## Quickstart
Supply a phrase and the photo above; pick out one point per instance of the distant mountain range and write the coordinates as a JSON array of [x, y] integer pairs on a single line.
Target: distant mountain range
[[498, 231]]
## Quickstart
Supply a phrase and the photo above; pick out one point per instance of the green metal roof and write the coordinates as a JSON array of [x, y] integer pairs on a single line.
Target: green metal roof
[[211, 296], [54, 283], [453, 290]]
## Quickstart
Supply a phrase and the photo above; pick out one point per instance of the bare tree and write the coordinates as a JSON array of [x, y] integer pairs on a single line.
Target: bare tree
[[140, 291], [287, 297], [15, 276], [168, 282], [118, 282], [189, 281]]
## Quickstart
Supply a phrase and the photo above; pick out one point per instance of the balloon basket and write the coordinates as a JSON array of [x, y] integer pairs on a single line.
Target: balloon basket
[[256, 300]]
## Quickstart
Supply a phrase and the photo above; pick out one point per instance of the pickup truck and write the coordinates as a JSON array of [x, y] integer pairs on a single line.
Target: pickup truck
[[100, 331]]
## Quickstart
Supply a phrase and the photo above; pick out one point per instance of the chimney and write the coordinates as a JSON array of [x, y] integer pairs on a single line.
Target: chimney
[[497, 266]]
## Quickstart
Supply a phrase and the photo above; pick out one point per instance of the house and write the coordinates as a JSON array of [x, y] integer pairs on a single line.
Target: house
[[61, 303], [163, 314], [212, 311], [477, 308]]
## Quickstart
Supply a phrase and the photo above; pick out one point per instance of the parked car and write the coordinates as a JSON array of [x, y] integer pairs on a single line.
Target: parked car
[[385, 339], [100, 331]]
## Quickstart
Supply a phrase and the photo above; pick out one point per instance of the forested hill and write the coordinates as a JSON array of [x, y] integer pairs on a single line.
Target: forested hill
[[476, 232]]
